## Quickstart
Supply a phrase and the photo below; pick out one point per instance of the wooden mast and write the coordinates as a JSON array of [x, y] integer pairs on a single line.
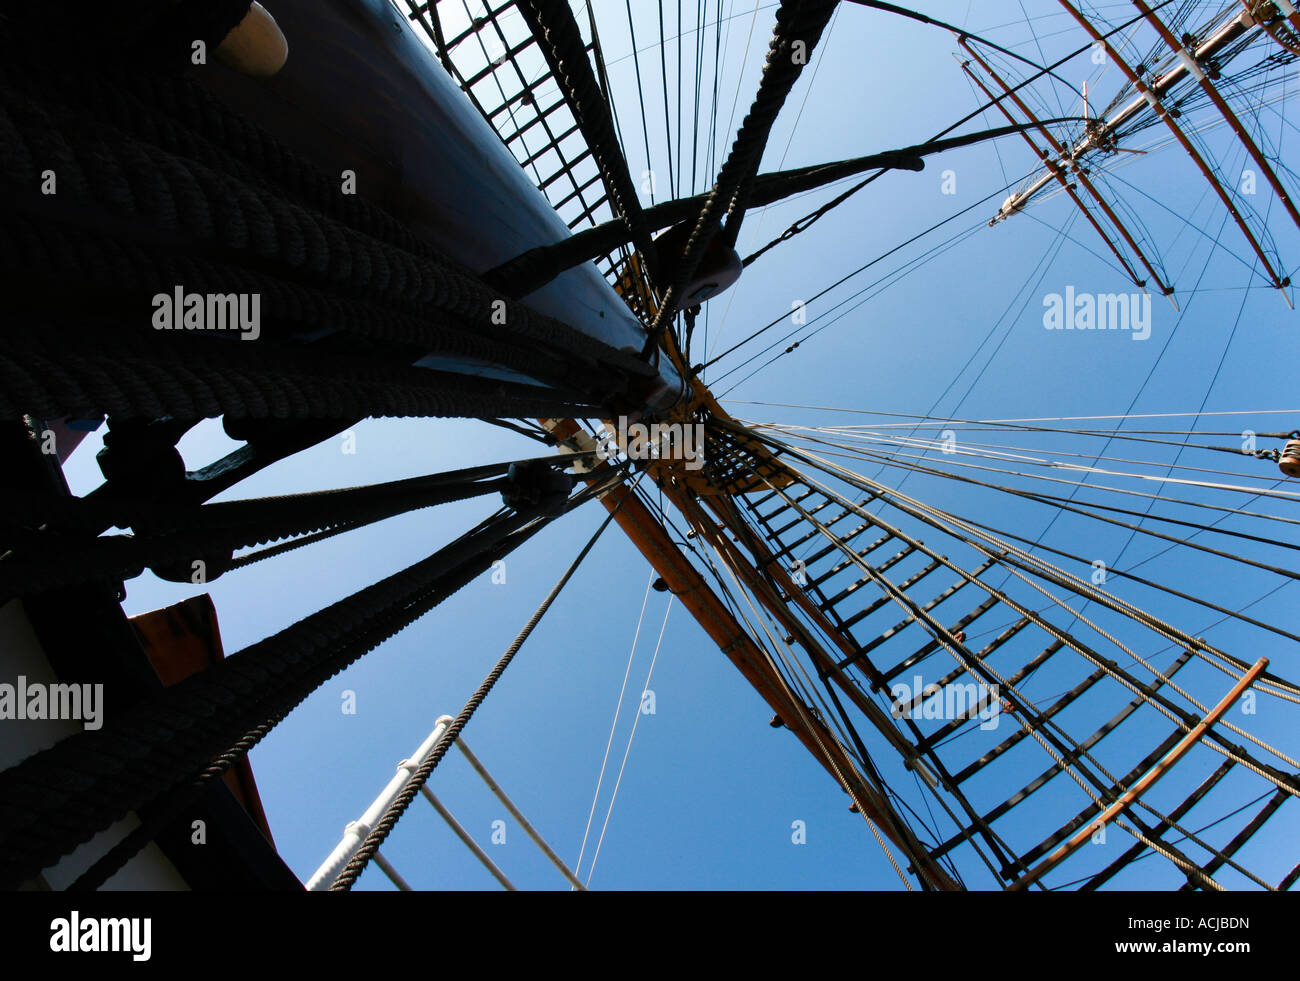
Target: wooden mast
[[1279, 282]]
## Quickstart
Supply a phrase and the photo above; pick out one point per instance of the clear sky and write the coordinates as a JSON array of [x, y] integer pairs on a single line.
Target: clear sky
[[710, 792]]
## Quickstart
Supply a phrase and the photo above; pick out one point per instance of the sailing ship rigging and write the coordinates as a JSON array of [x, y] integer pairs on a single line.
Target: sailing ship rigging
[[990, 699]]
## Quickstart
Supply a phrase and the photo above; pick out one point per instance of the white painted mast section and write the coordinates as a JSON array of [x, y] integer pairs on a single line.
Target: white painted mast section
[[1146, 98], [355, 833], [393, 875], [514, 812]]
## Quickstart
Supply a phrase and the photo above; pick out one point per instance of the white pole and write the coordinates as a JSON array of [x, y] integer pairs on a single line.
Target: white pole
[[356, 831], [514, 812], [467, 839], [394, 876]]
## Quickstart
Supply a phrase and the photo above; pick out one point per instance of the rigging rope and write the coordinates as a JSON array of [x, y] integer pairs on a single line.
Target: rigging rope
[[348, 875], [980, 667], [618, 706], [800, 21], [591, 869], [808, 220]]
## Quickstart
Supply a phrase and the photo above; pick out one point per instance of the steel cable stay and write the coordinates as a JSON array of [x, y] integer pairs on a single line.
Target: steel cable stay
[[600, 779], [878, 431], [1061, 504], [1037, 736], [898, 460], [1170, 716], [998, 452], [1035, 545], [1088, 591], [960, 425], [1085, 590], [618, 782], [943, 420], [375, 837]]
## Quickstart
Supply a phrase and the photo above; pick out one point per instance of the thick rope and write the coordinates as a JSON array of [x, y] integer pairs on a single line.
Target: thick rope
[[799, 21], [556, 32], [62, 796], [106, 176], [347, 877]]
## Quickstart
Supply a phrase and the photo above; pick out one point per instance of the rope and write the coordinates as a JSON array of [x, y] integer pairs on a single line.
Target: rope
[[62, 796], [347, 877], [631, 735], [600, 779], [1046, 722], [556, 31], [796, 20], [1059, 577], [172, 184]]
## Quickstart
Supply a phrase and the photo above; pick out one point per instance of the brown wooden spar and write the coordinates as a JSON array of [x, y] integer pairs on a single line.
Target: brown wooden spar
[[1189, 740], [1152, 98], [1269, 23], [1057, 171], [1281, 8], [654, 542], [1229, 116], [1097, 137], [766, 591]]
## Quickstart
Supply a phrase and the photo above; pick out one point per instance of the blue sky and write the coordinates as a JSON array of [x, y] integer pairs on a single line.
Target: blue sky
[[710, 792]]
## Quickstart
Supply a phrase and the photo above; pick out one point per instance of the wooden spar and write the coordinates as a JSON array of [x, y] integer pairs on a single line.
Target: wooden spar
[[1181, 137], [1056, 169], [1144, 783], [694, 593], [820, 658], [1229, 116], [763, 590], [1158, 88], [1269, 25], [1284, 7], [767, 560]]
